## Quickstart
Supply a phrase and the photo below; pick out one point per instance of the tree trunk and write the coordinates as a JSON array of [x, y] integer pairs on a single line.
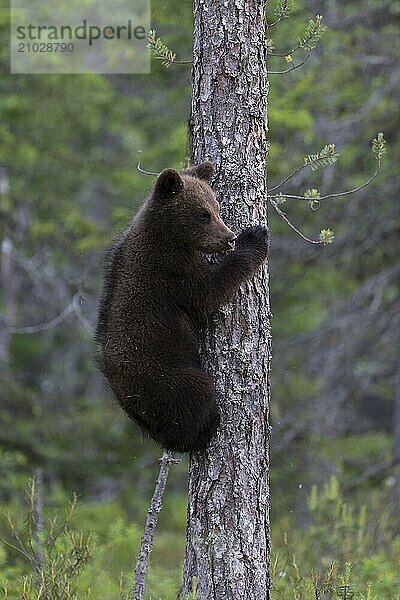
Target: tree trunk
[[228, 514]]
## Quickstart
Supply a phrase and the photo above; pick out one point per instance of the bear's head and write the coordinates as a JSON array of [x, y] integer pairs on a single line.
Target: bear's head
[[187, 208]]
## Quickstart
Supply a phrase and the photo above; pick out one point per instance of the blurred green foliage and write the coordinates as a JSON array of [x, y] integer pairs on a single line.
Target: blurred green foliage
[[348, 551]]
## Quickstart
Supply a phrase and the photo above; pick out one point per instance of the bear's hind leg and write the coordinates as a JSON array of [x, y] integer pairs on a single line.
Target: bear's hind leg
[[189, 417]]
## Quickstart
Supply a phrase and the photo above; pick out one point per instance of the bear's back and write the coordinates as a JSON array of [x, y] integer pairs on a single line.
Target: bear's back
[[140, 318]]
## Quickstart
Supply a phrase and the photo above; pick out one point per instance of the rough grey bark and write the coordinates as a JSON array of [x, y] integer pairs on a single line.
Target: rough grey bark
[[228, 513]]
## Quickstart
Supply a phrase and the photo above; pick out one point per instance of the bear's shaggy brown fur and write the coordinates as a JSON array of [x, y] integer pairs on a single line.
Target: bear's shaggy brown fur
[[157, 287]]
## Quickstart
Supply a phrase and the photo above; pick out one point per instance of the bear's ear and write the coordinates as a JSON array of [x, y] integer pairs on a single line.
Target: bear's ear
[[168, 182], [204, 170]]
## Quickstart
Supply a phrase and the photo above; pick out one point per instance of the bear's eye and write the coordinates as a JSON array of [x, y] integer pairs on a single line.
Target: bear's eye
[[204, 216]]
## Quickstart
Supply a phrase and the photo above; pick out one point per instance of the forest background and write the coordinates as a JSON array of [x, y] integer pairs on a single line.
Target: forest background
[[68, 183]]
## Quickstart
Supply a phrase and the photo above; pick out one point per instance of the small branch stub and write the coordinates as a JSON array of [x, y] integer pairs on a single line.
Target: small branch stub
[[139, 167], [147, 541]]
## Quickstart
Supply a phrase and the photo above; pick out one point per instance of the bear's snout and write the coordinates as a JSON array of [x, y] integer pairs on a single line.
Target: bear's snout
[[226, 236], [230, 241]]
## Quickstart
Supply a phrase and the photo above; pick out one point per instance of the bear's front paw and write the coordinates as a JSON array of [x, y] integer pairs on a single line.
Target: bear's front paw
[[256, 236]]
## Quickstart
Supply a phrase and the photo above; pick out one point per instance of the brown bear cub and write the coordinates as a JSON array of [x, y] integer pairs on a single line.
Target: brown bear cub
[[157, 288]]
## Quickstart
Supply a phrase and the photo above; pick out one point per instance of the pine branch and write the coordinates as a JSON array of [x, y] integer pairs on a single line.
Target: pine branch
[[19, 550], [147, 541], [313, 34], [293, 66], [326, 156], [15, 534], [55, 532], [326, 236], [161, 52], [37, 518], [276, 187], [335, 195], [378, 149], [282, 10], [308, 41], [323, 158], [54, 574]]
